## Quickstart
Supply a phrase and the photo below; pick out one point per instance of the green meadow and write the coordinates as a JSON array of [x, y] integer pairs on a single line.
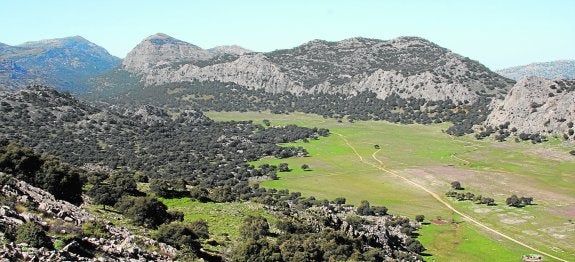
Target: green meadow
[[224, 219], [345, 165]]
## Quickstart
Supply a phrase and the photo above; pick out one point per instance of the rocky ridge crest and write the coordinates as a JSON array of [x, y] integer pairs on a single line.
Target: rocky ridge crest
[[410, 66], [561, 69], [66, 63]]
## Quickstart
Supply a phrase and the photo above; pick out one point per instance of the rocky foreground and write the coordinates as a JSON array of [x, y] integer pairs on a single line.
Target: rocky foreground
[[61, 218]]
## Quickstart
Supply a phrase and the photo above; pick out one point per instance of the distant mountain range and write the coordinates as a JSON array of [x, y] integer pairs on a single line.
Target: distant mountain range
[[409, 66], [405, 67], [562, 69], [66, 63]]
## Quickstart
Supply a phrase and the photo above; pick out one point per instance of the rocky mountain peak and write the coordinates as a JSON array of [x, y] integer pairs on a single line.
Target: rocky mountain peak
[[163, 39], [160, 49], [408, 66], [62, 62]]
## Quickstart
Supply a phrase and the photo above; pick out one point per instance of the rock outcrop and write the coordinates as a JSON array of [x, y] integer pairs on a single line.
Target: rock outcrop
[[160, 50], [537, 105], [409, 66], [121, 245]]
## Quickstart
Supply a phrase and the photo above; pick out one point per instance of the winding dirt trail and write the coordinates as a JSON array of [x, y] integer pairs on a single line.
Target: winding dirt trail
[[438, 198]]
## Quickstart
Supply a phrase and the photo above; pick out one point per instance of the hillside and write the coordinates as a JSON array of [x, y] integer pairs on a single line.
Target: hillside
[[537, 106], [64, 62], [562, 69], [180, 155], [408, 66]]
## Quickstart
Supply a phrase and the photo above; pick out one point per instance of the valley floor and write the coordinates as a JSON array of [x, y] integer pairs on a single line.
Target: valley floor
[[412, 170]]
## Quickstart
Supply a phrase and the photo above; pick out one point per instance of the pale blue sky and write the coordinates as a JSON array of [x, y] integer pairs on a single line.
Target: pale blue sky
[[496, 33]]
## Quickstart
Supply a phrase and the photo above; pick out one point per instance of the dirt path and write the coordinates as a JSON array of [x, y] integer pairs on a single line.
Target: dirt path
[[438, 198]]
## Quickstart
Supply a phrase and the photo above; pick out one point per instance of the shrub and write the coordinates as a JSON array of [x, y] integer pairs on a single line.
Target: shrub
[[33, 235], [178, 235], [456, 185], [144, 211], [95, 229], [419, 218]]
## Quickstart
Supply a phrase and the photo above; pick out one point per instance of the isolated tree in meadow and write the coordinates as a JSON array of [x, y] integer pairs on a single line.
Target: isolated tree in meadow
[[456, 185], [304, 167], [419, 218], [513, 201], [526, 200], [488, 201]]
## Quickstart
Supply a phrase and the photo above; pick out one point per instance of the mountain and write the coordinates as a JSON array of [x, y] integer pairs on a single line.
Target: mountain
[[160, 49], [408, 66], [537, 106], [64, 62], [562, 69], [229, 49], [165, 146]]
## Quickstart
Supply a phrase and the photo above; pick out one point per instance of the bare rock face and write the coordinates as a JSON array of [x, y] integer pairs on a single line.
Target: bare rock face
[[161, 49], [410, 66], [537, 105]]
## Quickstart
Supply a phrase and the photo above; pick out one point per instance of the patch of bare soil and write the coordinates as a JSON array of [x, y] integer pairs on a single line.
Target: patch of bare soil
[[552, 154], [439, 222], [496, 185]]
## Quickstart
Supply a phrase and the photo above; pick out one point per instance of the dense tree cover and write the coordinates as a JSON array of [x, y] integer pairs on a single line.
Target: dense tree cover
[[320, 239], [185, 144], [44, 171], [362, 106], [185, 153]]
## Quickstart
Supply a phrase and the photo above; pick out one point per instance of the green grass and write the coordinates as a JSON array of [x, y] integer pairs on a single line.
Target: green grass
[[224, 219], [425, 154], [462, 242]]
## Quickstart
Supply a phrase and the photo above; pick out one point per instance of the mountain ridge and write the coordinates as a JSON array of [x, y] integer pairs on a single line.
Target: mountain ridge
[[349, 66], [66, 63], [559, 69]]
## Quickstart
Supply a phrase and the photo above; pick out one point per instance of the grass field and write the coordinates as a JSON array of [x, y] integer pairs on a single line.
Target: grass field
[[224, 219], [431, 158]]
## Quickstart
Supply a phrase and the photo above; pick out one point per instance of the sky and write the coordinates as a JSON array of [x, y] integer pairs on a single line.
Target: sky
[[497, 33]]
